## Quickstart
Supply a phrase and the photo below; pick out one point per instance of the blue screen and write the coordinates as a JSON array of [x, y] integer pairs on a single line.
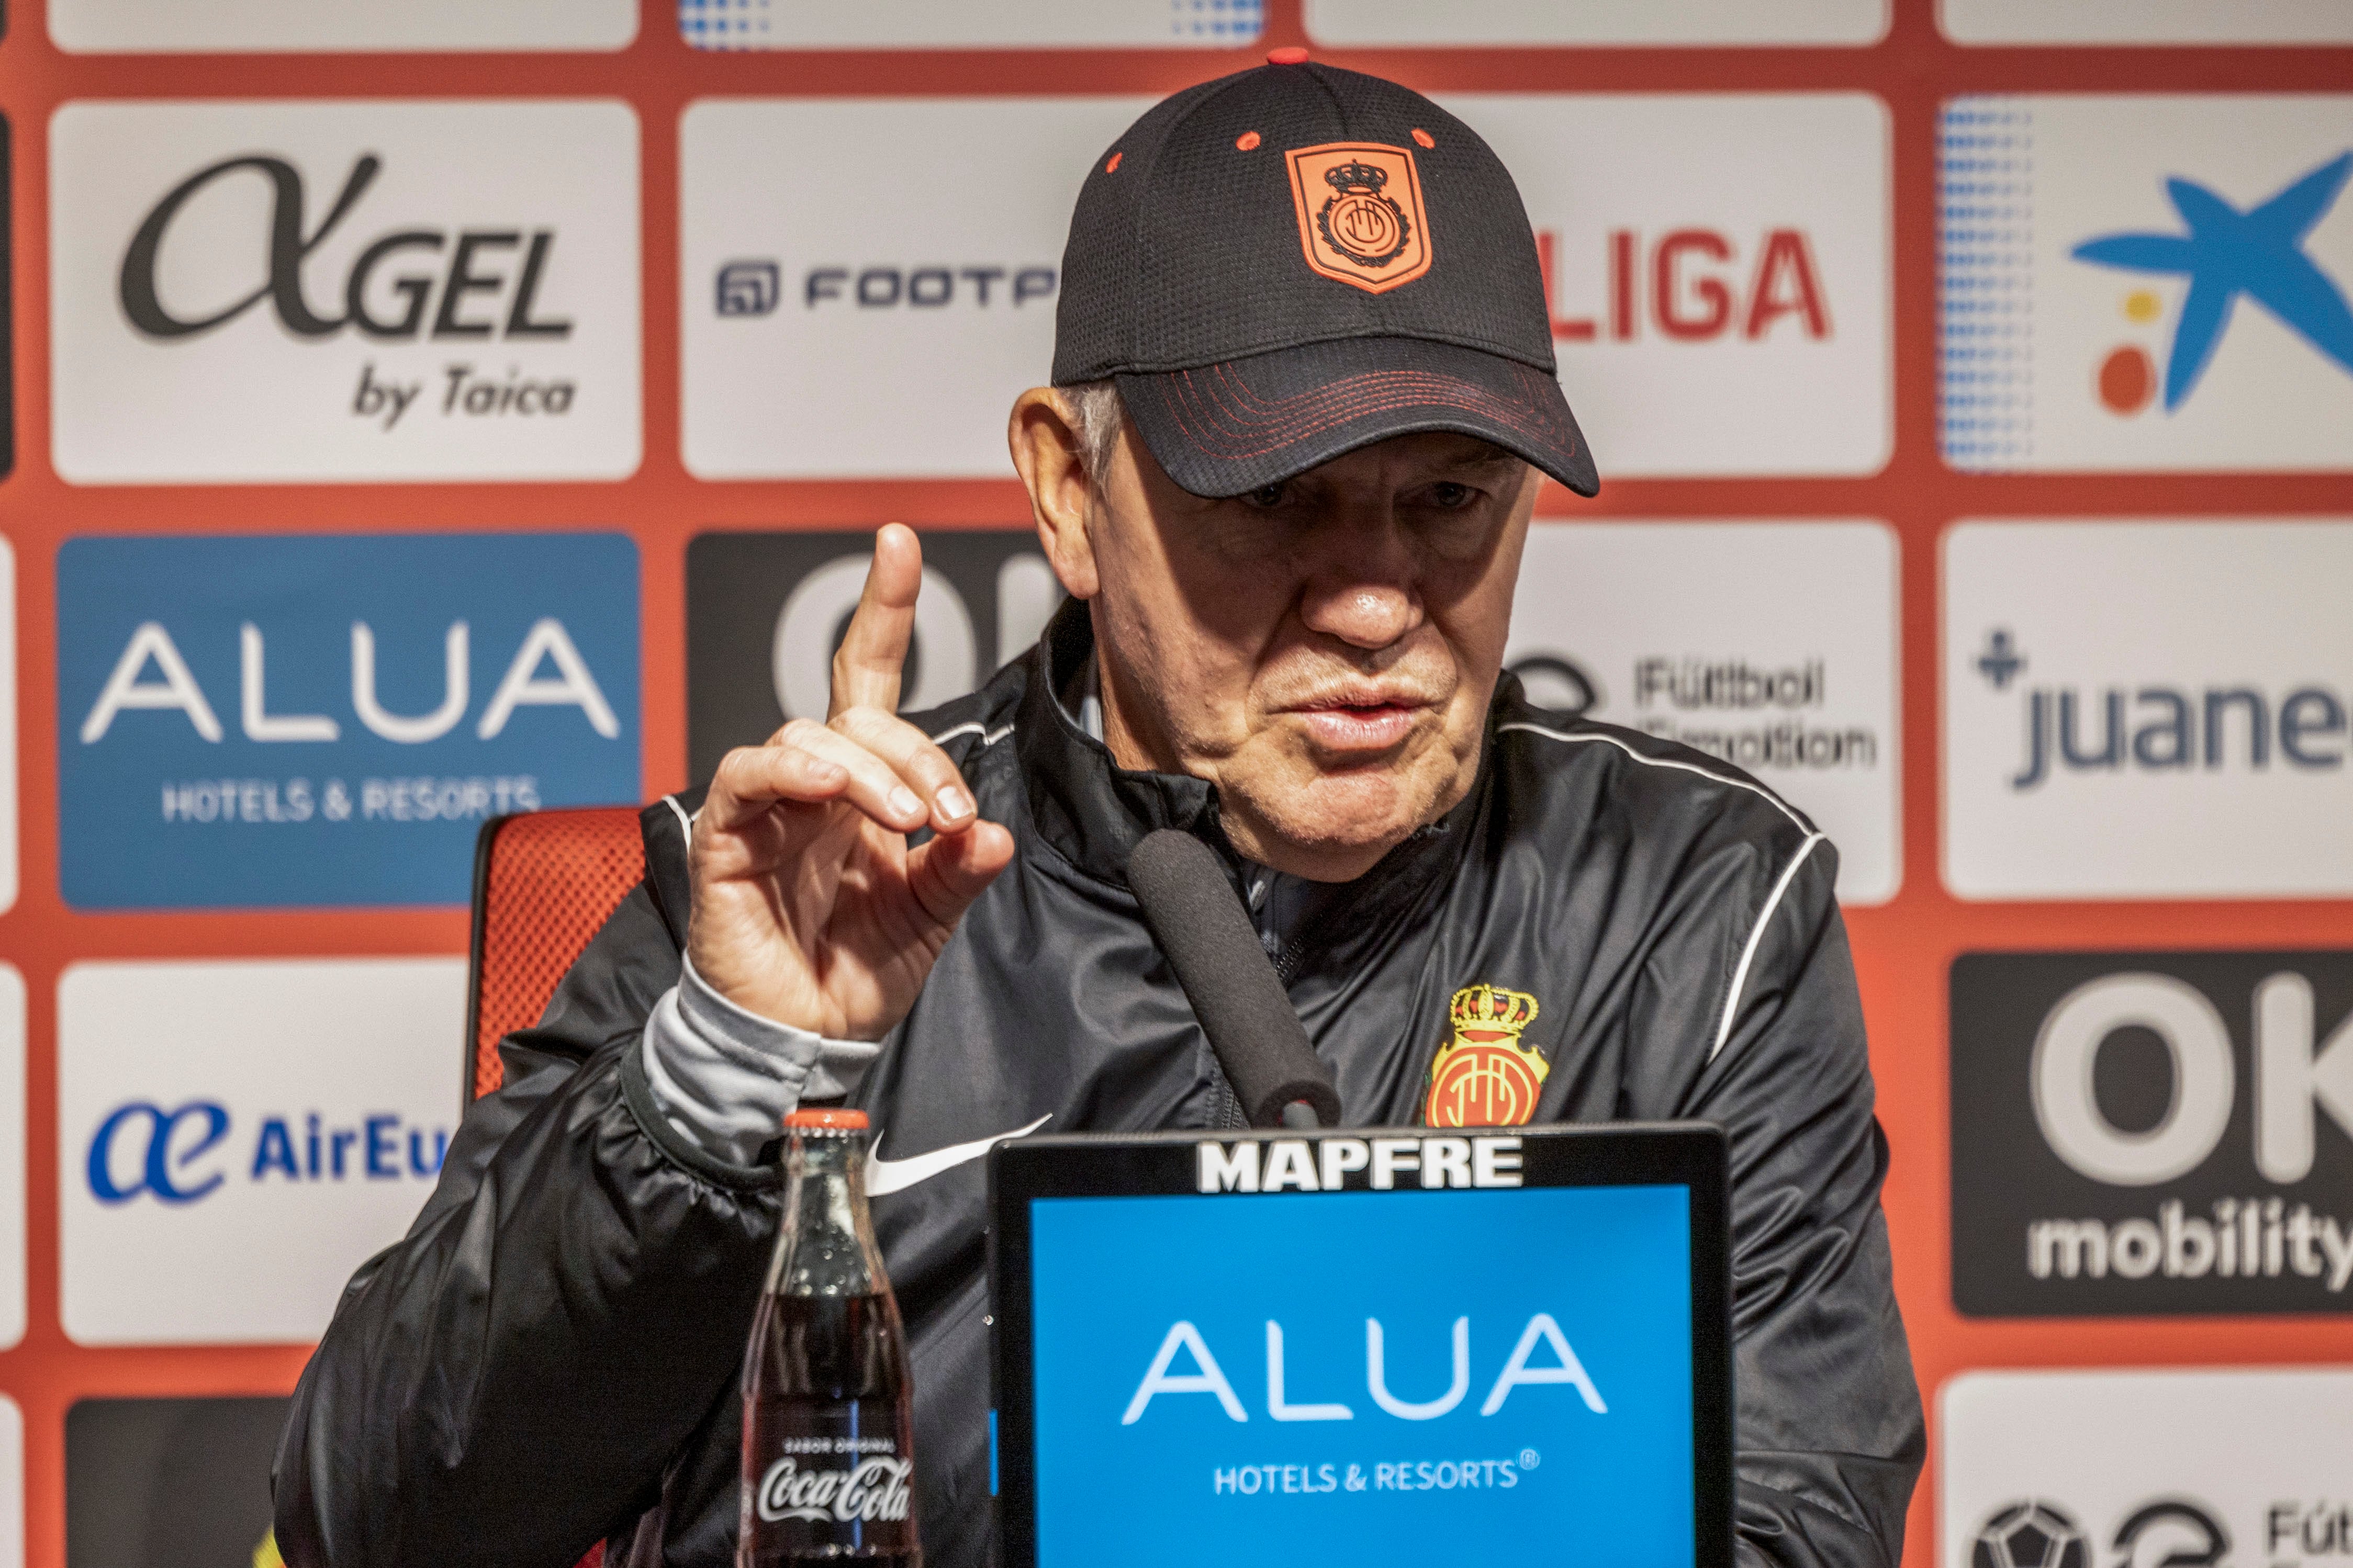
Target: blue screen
[[1207, 1387]]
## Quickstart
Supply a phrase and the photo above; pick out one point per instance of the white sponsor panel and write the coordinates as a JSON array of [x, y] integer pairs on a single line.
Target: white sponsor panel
[[250, 1130], [2140, 1468], [1541, 22], [2139, 709], [2143, 282], [2145, 21], [913, 270], [171, 27], [12, 1159], [960, 23], [12, 1484], [1717, 269], [343, 291], [1684, 630]]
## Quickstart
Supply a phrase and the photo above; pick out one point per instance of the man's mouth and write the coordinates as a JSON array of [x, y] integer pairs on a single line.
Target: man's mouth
[[1362, 725]]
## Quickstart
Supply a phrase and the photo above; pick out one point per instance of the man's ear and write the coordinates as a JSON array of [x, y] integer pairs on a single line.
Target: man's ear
[[1044, 435]]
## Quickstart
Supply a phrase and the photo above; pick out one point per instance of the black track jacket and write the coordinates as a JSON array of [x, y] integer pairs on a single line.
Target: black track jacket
[[550, 1356]]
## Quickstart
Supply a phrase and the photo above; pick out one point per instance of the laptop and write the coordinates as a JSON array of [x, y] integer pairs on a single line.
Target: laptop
[[1369, 1347]]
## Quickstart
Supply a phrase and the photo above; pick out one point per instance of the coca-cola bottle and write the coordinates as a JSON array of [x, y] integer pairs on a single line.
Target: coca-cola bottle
[[829, 1425]]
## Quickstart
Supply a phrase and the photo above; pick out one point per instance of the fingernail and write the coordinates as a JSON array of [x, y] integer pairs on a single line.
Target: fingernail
[[903, 802], [825, 773], [953, 803]]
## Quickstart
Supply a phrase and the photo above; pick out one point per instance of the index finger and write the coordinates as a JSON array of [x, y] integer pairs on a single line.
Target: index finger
[[874, 652]]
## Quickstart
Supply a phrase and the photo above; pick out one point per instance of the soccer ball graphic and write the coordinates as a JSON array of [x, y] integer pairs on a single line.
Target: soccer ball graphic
[[2029, 1535]]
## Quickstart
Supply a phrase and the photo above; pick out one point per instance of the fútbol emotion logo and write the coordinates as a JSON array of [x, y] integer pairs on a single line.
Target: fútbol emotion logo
[[276, 720], [1682, 630], [2160, 1132], [2187, 1467], [343, 291]]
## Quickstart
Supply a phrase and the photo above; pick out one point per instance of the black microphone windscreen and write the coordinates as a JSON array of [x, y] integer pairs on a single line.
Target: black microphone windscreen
[[1200, 924]]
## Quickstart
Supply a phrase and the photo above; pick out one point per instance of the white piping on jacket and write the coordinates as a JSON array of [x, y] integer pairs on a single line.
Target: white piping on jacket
[[1772, 900]]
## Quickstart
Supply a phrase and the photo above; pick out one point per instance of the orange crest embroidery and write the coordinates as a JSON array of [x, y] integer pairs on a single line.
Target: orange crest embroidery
[[1361, 219], [1484, 1077]]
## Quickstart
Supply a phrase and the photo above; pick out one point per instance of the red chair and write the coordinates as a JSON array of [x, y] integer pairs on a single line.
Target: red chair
[[543, 883]]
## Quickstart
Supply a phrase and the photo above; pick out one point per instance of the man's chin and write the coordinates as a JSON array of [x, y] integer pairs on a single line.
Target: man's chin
[[1341, 820]]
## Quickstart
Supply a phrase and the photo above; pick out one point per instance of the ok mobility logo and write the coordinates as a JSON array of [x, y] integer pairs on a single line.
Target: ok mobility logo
[[2225, 254], [254, 722]]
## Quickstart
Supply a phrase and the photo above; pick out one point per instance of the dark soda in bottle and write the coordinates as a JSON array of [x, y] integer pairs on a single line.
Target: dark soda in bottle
[[829, 1423]]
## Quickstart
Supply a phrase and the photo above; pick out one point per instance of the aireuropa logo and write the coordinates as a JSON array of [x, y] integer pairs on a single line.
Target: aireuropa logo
[[1539, 23], [1717, 273], [1682, 630], [278, 721], [253, 26], [344, 291], [2141, 1133], [212, 1114], [827, 295], [171, 1483], [2146, 282], [2192, 1469], [766, 611], [2147, 709], [952, 23]]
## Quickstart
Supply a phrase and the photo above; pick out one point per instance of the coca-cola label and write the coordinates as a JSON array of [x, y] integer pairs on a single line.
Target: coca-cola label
[[867, 1491]]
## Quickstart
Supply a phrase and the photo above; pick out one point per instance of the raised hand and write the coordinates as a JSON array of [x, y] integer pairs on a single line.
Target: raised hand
[[810, 909]]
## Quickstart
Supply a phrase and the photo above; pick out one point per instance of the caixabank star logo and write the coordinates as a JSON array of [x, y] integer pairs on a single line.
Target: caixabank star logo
[[2146, 282], [1485, 1076]]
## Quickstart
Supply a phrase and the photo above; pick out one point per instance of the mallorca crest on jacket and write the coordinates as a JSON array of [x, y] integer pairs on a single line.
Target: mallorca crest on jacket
[[1361, 217], [1485, 1076]]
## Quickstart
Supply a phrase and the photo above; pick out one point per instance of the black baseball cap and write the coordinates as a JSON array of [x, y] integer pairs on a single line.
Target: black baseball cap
[[1286, 264]]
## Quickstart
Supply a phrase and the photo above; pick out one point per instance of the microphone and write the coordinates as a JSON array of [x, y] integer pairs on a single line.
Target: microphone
[[1252, 1028]]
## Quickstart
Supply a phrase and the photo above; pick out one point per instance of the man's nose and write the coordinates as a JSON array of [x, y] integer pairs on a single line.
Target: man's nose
[[1367, 613]]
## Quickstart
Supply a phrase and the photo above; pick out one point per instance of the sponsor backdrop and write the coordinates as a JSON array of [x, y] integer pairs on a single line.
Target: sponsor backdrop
[[416, 410]]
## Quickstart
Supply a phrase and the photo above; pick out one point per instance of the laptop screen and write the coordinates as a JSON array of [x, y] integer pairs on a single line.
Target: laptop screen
[[1363, 1376]]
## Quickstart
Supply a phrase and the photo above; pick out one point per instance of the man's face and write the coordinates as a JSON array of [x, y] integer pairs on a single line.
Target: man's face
[[1322, 651]]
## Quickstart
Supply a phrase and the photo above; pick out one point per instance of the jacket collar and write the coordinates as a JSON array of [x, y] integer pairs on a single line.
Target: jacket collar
[[1093, 812]]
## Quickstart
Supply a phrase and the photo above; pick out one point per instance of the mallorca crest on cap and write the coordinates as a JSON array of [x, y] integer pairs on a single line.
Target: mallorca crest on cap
[[1361, 216]]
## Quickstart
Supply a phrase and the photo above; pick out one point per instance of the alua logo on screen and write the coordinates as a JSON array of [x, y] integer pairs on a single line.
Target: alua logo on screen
[[479, 294], [181, 1154]]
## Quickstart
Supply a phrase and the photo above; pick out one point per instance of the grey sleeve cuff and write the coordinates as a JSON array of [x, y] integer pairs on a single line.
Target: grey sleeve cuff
[[724, 1079]]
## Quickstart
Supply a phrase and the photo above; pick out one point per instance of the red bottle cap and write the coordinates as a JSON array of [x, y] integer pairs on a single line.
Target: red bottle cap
[[1289, 55], [828, 1116]]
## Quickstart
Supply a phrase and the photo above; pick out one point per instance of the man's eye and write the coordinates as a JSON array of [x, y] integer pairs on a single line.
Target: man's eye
[[1450, 496], [1268, 496]]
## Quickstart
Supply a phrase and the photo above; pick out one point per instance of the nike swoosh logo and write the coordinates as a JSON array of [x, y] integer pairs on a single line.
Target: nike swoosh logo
[[886, 1177]]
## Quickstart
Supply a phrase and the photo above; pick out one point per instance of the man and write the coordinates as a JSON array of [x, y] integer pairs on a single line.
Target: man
[[1304, 390]]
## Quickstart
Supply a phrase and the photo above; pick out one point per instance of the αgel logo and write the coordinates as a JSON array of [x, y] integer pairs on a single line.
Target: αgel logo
[[144, 1150], [461, 297], [326, 291], [2161, 1133]]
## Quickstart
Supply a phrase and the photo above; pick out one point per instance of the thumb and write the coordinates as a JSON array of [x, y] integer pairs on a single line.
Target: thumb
[[952, 870]]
